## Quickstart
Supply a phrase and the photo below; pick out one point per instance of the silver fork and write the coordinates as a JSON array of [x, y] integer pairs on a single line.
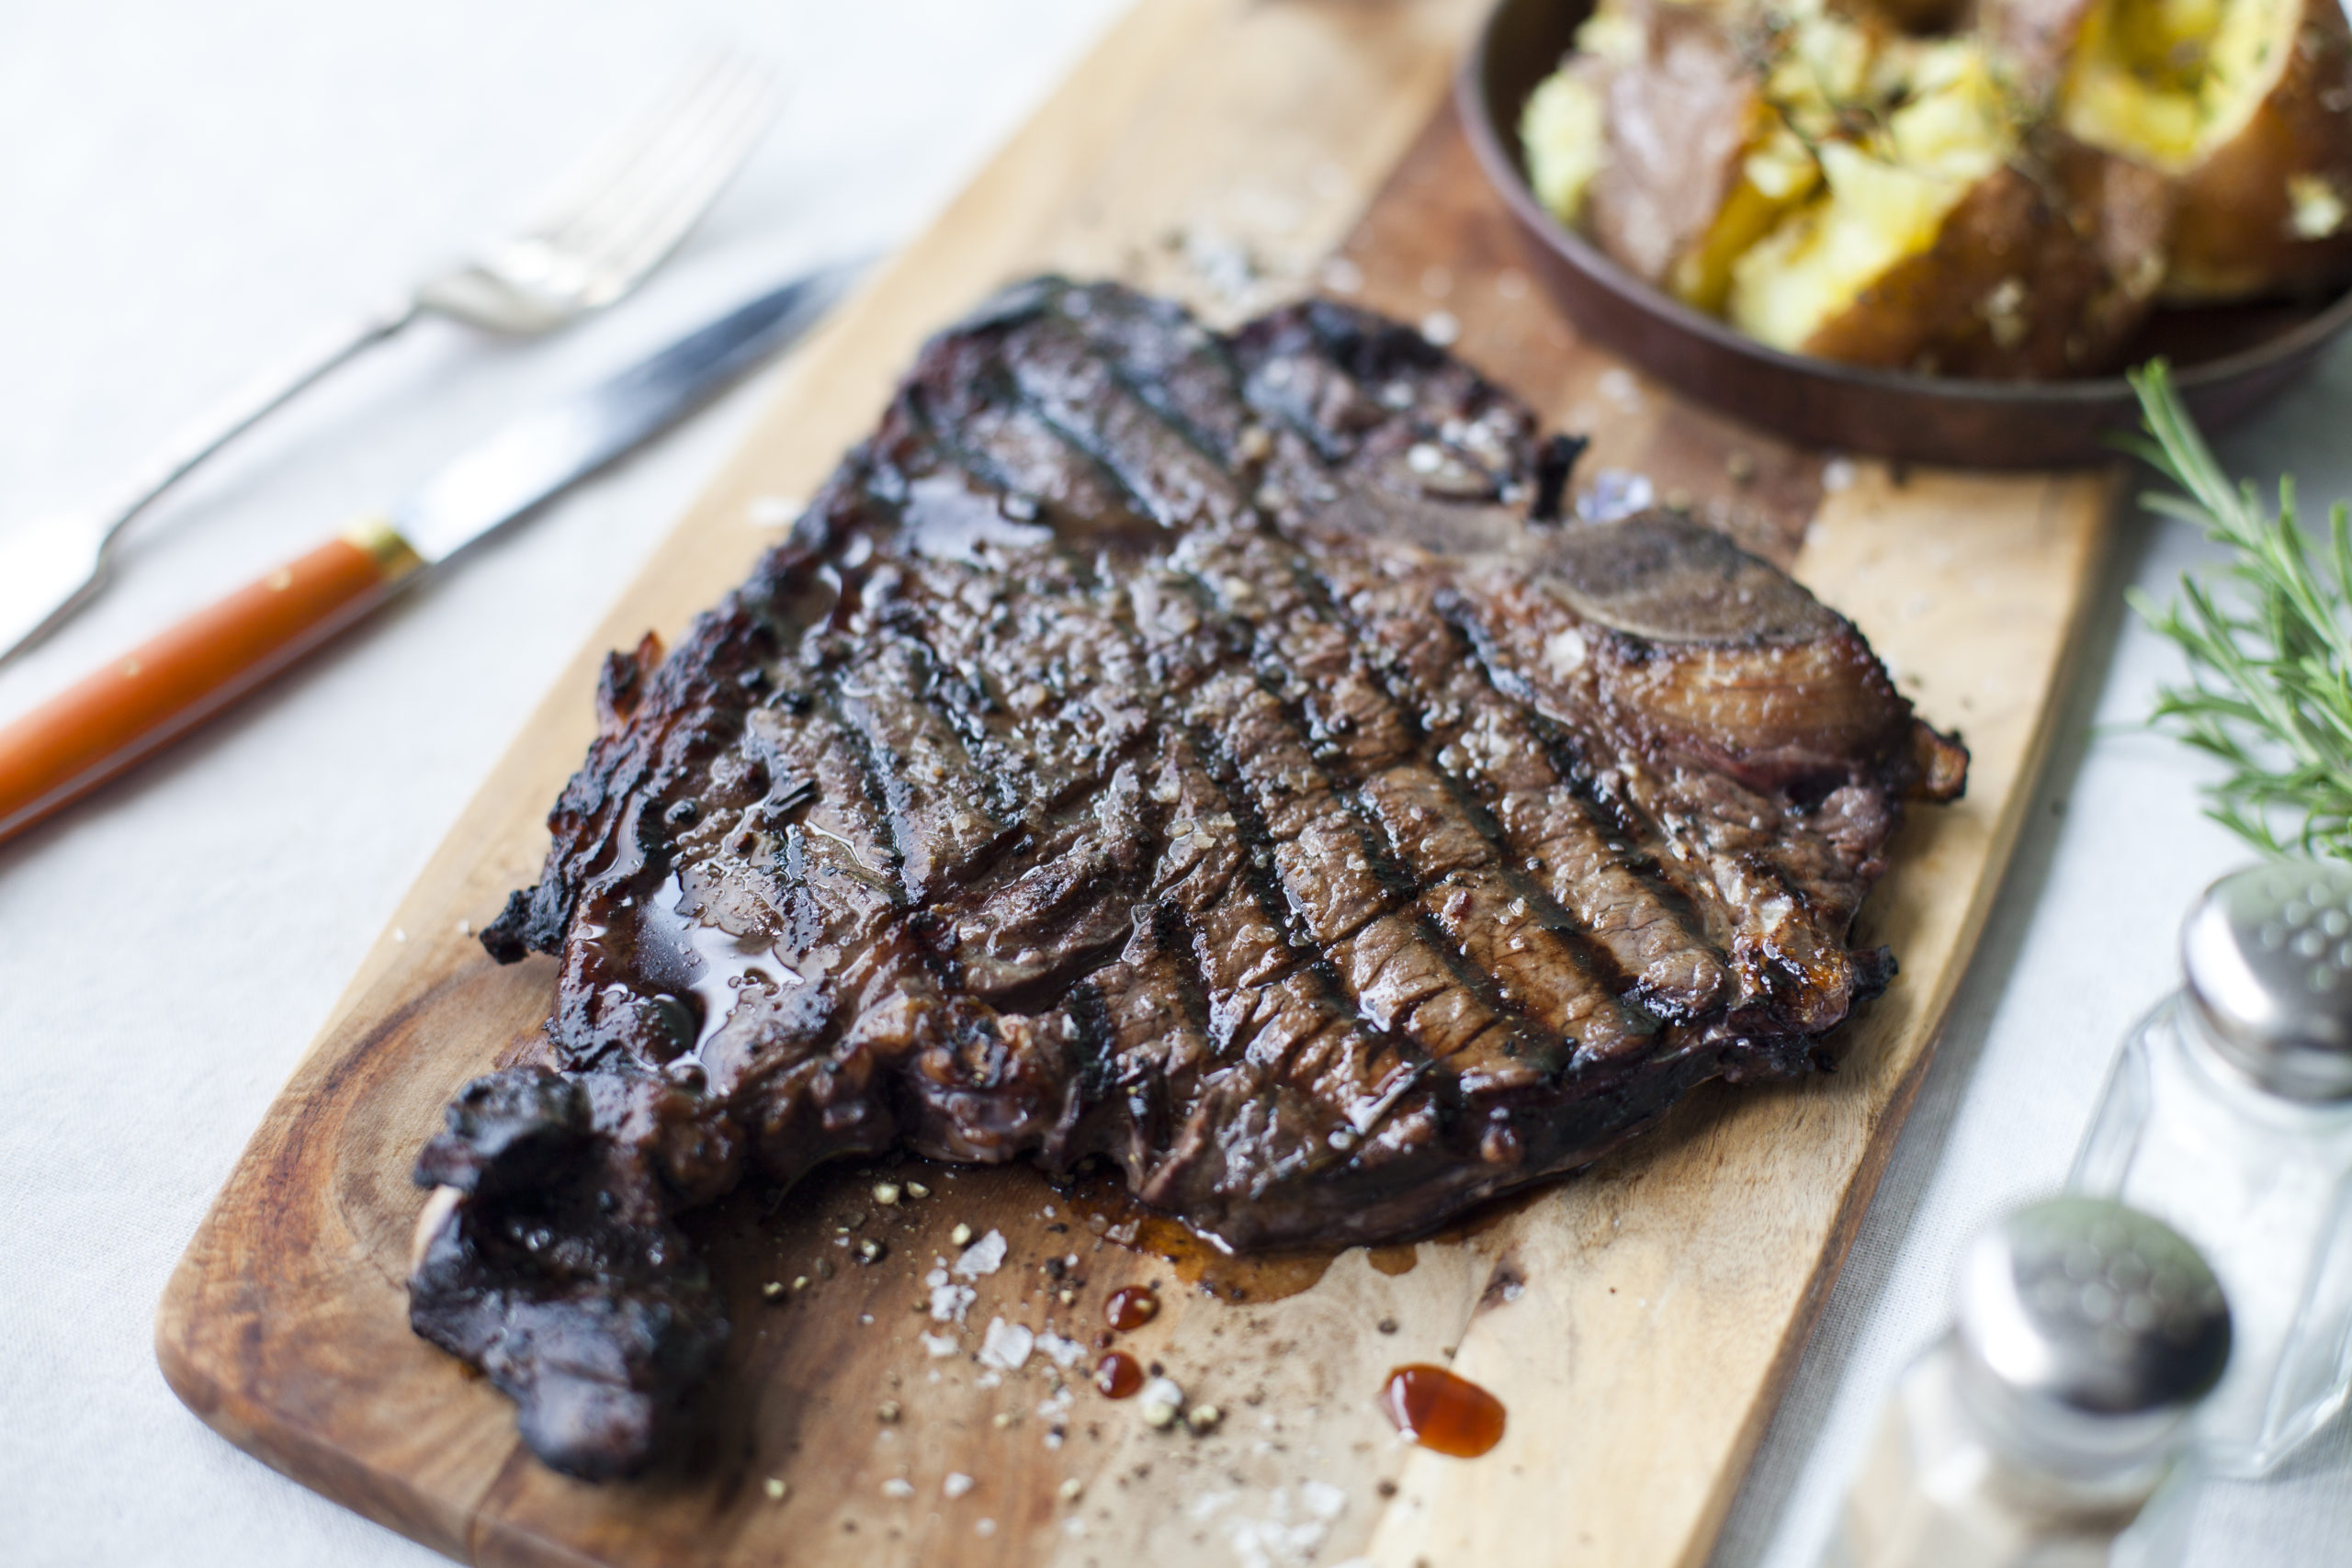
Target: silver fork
[[604, 227]]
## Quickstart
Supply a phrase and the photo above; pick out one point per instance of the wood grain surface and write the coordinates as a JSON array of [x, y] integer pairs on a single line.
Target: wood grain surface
[[1639, 1320]]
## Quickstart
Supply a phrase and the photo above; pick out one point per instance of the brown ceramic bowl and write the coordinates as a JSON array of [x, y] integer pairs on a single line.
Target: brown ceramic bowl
[[2226, 362]]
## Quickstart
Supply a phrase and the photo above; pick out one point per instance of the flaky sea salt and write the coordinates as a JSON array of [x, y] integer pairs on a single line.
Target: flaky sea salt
[[949, 1301], [985, 1255], [1322, 1499], [1006, 1346], [1285, 1539]]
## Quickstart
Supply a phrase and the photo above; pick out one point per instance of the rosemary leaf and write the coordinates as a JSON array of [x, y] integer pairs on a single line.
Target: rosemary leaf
[[2268, 642]]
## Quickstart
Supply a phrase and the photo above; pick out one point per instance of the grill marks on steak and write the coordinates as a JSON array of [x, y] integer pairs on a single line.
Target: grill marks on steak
[[1180, 749]]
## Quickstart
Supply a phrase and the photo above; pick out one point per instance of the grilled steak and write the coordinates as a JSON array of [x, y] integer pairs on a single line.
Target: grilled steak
[[1209, 753]]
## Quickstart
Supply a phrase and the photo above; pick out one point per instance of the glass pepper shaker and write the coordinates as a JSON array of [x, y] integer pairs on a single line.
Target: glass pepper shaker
[[2035, 1433], [2229, 1115]]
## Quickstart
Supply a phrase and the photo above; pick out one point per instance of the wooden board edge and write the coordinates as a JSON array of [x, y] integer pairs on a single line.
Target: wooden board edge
[[208, 1388], [386, 1497], [2104, 498]]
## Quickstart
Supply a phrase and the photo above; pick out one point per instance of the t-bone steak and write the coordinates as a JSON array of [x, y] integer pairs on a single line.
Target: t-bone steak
[[1211, 753]]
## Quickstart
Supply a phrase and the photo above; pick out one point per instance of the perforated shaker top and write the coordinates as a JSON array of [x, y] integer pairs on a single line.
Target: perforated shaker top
[[2267, 953], [2092, 1307]]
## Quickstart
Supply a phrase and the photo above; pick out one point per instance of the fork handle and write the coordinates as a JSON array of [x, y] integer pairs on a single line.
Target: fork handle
[[256, 401], [167, 686]]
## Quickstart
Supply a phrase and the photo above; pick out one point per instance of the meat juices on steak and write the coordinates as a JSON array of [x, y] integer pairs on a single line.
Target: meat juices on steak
[[1206, 752]]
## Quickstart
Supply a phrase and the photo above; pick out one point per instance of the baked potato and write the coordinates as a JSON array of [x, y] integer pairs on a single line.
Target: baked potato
[[1659, 140], [2007, 201], [1835, 187], [2044, 268], [1950, 237], [2246, 105]]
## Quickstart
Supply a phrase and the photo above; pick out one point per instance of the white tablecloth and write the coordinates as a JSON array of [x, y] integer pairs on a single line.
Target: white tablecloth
[[185, 187]]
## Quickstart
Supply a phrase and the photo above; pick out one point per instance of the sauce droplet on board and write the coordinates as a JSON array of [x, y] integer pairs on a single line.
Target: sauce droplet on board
[[1441, 1412], [1106, 1208], [1117, 1375], [1131, 1308]]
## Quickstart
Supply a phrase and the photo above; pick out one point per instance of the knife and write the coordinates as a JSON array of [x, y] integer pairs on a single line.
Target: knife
[[166, 687]]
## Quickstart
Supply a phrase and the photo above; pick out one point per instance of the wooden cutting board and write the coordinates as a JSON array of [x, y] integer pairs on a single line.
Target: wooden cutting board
[[1638, 1321]]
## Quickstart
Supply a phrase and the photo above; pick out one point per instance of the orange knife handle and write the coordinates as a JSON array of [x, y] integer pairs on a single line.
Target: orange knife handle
[[165, 687]]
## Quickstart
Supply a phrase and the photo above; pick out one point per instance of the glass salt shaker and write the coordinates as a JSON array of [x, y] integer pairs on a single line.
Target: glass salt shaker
[[2037, 1432], [2229, 1116]]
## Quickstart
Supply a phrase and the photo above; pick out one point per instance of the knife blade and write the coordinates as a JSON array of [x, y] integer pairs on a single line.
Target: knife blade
[[171, 683], [542, 453]]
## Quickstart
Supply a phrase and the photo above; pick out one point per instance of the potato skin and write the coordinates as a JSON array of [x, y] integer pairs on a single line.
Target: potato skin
[[1678, 122], [2044, 270], [2234, 238], [1914, 15]]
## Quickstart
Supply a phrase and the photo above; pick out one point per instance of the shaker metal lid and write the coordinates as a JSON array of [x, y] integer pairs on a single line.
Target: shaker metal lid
[[2092, 1309], [2267, 953]]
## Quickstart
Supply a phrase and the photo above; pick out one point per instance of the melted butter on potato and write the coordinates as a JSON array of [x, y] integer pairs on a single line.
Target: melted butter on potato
[[1886, 199], [1772, 179], [2244, 106], [2166, 81]]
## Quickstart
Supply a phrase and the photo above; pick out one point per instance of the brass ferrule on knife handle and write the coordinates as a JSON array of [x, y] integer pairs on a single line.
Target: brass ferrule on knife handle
[[385, 545], [93, 731]]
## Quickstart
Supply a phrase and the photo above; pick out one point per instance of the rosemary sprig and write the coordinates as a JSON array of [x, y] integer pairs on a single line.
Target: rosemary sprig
[[2269, 645]]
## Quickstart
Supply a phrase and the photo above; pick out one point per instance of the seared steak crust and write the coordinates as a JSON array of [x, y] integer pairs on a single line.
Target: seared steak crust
[[1179, 748]]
